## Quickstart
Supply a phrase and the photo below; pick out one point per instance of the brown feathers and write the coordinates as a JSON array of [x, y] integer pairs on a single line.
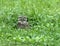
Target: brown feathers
[[22, 22]]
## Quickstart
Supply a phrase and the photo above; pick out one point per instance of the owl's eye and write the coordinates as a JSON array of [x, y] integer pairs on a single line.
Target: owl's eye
[[25, 19]]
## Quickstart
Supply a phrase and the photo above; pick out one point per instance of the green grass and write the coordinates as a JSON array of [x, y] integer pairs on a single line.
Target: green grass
[[43, 16]]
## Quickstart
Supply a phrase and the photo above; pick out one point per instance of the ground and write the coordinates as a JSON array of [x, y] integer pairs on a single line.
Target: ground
[[43, 17]]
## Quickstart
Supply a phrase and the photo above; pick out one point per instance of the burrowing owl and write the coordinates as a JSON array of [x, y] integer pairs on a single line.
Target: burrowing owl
[[22, 22]]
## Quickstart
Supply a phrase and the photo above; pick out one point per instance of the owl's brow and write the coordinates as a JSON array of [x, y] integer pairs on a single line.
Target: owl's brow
[[25, 17]]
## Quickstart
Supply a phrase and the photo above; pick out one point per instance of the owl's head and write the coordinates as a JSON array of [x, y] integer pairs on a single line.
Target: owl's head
[[22, 18]]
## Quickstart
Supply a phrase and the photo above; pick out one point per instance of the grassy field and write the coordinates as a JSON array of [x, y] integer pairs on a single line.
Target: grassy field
[[43, 16]]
